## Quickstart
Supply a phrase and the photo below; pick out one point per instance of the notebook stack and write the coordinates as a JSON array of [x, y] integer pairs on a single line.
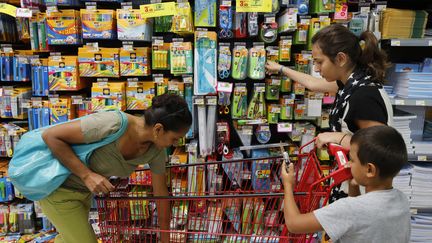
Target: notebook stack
[[399, 23], [402, 121], [421, 186]]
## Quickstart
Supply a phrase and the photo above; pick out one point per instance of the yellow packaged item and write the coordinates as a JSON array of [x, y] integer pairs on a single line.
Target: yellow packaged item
[[182, 20], [132, 26], [108, 95], [160, 55], [135, 62], [98, 24], [139, 96], [61, 110], [63, 73], [98, 62], [64, 27], [176, 87]]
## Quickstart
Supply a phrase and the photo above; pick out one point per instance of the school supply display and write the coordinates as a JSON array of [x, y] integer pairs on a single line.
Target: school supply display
[[135, 61], [98, 62], [224, 61], [239, 61], [257, 61], [225, 21], [139, 95], [11, 102], [205, 63], [108, 96], [63, 73], [257, 106], [98, 23], [10, 134], [39, 76], [61, 110], [239, 103], [64, 27], [181, 58], [205, 13], [131, 25], [182, 22]]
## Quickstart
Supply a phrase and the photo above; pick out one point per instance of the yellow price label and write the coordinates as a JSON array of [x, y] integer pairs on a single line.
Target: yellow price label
[[158, 9], [8, 9], [261, 6]]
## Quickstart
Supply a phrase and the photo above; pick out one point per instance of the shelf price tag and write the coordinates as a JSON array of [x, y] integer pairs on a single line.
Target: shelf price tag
[[261, 6], [158, 9], [422, 158], [395, 43], [24, 12], [420, 102], [400, 102]]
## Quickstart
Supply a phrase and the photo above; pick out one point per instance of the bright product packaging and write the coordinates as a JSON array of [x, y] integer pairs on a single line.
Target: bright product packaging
[[135, 61], [98, 24], [108, 95], [98, 62], [139, 95], [181, 58], [64, 27], [39, 76], [61, 110], [132, 26], [63, 73], [160, 54]]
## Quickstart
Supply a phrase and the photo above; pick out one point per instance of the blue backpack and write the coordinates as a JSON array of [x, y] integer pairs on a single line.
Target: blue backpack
[[34, 170]]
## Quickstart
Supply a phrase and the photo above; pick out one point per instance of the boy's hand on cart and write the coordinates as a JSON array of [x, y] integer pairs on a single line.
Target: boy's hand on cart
[[288, 176], [97, 184]]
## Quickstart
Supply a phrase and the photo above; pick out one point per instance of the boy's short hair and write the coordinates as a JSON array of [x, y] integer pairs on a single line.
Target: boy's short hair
[[382, 146]]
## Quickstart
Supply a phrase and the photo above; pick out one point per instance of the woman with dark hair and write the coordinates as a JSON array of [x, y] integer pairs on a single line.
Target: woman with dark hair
[[352, 67], [143, 142]]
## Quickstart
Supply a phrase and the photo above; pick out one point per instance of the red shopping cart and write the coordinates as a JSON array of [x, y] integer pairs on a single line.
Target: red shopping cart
[[217, 201]]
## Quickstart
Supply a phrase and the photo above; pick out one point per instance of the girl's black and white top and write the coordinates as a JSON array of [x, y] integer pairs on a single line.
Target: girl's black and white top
[[359, 99]]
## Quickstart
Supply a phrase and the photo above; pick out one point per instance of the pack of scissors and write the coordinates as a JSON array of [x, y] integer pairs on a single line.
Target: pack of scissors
[[225, 21], [257, 61], [224, 90], [224, 60], [240, 61], [253, 24]]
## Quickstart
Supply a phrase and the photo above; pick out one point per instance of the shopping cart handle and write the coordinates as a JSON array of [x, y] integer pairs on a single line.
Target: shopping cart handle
[[339, 152]]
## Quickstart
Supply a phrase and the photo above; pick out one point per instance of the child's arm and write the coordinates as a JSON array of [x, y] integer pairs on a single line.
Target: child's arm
[[294, 220]]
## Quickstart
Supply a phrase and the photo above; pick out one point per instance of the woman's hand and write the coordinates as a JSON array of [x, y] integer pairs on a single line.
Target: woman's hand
[[97, 184], [327, 137], [272, 67]]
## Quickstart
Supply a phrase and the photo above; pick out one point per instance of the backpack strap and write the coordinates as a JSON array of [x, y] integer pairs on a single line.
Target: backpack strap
[[123, 126]]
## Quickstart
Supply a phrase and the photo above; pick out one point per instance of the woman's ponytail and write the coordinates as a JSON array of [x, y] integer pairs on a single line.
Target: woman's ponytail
[[372, 58]]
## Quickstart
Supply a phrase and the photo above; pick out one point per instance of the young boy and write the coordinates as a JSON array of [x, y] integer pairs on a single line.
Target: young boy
[[381, 215]]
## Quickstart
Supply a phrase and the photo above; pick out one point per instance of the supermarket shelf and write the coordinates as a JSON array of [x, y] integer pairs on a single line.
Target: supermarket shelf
[[417, 42], [415, 210], [411, 102], [420, 157]]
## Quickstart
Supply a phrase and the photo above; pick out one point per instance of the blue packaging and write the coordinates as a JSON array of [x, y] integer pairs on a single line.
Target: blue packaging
[[21, 69], [6, 67], [6, 190], [261, 170]]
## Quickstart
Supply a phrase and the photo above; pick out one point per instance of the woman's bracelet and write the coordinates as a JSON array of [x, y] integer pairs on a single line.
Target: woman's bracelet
[[281, 70], [340, 142]]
